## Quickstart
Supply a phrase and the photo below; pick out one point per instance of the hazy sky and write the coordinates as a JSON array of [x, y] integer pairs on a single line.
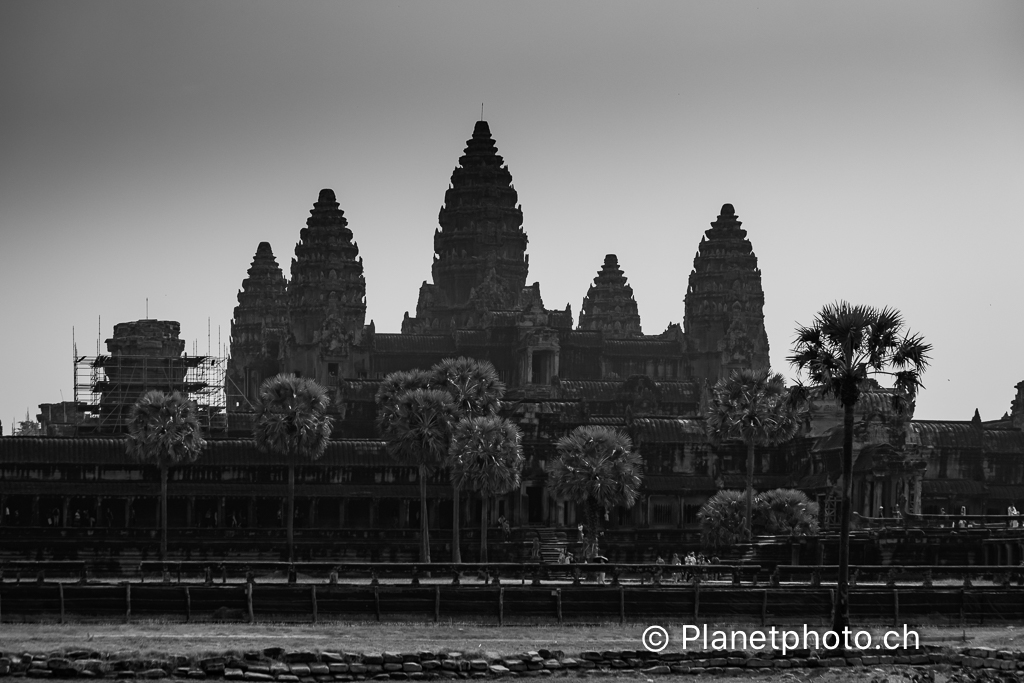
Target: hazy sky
[[873, 151]]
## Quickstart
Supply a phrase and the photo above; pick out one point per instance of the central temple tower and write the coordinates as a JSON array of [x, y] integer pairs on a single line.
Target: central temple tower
[[480, 262], [724, 304]]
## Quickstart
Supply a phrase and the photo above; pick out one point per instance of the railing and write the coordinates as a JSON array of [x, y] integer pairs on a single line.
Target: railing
[[893, 575], [391, 572]]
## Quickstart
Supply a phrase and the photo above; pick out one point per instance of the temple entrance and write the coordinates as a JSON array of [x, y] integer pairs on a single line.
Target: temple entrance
[[534, 505]]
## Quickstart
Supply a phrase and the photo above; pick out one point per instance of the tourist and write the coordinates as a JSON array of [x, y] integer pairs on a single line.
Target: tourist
[[676, 576], [535, 551]]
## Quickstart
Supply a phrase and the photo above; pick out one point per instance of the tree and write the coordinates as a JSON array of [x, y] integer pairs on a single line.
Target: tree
[[163, 429], [786, 512], [597, 468], [416, 425], [753, 407], [486, 455], [477, 391], [843, 347], [724, 523], [723, 519], [292, 422]]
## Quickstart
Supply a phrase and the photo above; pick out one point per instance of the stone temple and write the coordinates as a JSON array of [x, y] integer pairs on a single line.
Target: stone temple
[[479, 304], [599, 368]]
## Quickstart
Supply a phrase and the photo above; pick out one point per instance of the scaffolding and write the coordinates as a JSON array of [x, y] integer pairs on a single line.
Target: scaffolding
[[106, 388]]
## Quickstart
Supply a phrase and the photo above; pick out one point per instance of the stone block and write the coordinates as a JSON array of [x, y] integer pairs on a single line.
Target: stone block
[[299, 657], [317, 669], [658, 670]]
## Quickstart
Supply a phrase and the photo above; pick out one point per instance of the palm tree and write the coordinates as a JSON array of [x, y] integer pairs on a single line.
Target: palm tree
[[844, 346], [722, 519], [477, 391], [786, 512], [164, 429], [596, 467], [417, 426], [292, 422], [397, 383], [753, 407], [486, 455]]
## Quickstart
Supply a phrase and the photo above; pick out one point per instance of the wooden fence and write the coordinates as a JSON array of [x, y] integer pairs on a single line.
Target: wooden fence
[[501, 604]]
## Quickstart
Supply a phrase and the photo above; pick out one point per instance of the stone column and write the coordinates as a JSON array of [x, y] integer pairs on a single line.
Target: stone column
[[35, 511], [65, 504]]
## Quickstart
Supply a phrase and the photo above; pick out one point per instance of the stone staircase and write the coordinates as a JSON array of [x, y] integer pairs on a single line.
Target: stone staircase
[[551, 543]]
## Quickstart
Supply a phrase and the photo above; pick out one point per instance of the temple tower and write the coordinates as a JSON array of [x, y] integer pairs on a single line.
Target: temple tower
[[144, 355], [480, 260], [724, 304], [326, 296], [609, 305], [258, 327]]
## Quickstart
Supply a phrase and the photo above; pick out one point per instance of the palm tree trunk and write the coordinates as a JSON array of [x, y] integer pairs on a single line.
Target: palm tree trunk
[[483, 527], [163, 513], [750, 491], [456, 553], [290, 513], [425, 538], [594, 523], [841, 617]]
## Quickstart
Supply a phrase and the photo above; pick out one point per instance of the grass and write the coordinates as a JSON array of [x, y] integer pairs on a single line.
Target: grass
[[156, 637]]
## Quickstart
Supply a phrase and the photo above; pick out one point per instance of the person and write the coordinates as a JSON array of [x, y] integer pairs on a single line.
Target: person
[[562, 557], [506, 530], [579, 530], [234, 520], [535, 551], [676, 576]]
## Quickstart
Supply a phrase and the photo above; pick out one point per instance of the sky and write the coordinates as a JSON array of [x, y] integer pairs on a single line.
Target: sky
[[873, 151]]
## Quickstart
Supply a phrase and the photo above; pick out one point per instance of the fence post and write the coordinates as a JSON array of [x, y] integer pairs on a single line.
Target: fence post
[[188, 605], [376, 601], [558, 604], [764, 607], [501, 606], [248, 602], [622, 605], [896, 606], [127, 602], [312, 592], [696, 599], [437, 604], [60, 587]]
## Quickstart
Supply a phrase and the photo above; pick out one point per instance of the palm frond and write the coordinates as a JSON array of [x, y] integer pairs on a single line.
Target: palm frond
[[596, 464], [473, 384], [486, 455], [417, 426], [164, 429], [291, 417]]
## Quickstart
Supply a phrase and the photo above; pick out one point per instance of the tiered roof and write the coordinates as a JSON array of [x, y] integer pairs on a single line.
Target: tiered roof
[[327, 292], [480, 261], [262, 309], [724, 301], [609, 305]]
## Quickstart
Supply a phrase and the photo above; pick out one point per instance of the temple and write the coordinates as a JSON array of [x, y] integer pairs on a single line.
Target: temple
[[601, 369]]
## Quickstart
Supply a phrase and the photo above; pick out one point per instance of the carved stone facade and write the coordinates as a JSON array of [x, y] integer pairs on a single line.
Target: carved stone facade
[[258, 328], [480, 261], [724, 304], [609, 305]]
